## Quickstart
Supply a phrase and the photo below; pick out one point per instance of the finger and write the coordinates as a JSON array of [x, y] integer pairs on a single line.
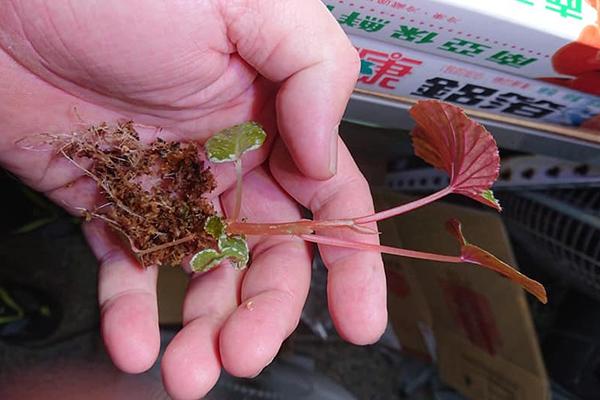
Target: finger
[[191, 364], [79, 195], [356, 281], [128, 308], [275, 285], [301, 45]]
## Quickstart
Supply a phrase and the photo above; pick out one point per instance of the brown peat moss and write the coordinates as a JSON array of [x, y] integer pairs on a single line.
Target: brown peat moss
[[155, 194]]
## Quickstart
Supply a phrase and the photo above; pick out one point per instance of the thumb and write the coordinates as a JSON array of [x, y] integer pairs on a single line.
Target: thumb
[[300, 45]]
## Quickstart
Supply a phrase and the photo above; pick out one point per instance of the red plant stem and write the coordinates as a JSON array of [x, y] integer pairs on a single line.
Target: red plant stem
[[404, 208], [238, 189], [303, 227], [380, 249], [300, 227], [309, 226]]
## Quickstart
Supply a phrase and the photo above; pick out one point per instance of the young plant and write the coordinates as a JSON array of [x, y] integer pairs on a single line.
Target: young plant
[[229, 145], [444, 137]]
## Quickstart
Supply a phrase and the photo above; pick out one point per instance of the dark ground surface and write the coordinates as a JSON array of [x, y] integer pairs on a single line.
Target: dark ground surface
[[53, 258]]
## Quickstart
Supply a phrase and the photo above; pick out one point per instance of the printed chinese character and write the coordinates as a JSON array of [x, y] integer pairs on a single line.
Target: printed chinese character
[[521, 85], [366, 67], [409, 34], [499, 101], [372, 24], [383, 69], [350, 20], [535, 110], [572, 97], [566, 8], [522, 106], [463, 47], [548, 91], [367, 24], [464, 72], [436, 88], [528, 2], [470, 95], [510, 59]]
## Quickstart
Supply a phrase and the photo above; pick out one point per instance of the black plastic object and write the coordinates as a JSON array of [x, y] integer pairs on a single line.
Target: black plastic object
[[27, 314], [562, 225], [572, 348], [291, 377]]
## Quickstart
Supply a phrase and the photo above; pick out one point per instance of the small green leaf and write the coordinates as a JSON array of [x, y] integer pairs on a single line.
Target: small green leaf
[[229, 144], [214, 226], [205, 260], [488, 196], [235, 248]]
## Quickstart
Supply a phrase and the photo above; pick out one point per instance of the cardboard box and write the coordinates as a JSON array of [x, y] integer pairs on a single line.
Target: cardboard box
[[552, 39], [411, 320], [392, 70], [484, 340]]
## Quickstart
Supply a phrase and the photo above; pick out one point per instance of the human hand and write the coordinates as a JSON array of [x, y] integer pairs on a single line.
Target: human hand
[[193, 68]]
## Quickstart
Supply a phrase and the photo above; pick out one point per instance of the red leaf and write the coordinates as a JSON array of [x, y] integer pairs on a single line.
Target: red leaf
[[446, 138], [475, 255]]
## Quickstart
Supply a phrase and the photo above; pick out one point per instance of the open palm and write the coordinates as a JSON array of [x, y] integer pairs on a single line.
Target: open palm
[[192, 68]]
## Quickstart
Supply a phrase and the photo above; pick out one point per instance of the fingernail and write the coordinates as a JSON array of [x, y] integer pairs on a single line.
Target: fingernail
[[333, 151]]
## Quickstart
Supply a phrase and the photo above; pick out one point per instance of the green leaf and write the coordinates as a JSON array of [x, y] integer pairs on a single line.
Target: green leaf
[[235, 248], [229, 144], [214, 226], [205, 260], [490, 200]]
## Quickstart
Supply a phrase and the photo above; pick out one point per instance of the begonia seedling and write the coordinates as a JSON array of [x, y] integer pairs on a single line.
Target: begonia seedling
[[444, 137], [156, 194]]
